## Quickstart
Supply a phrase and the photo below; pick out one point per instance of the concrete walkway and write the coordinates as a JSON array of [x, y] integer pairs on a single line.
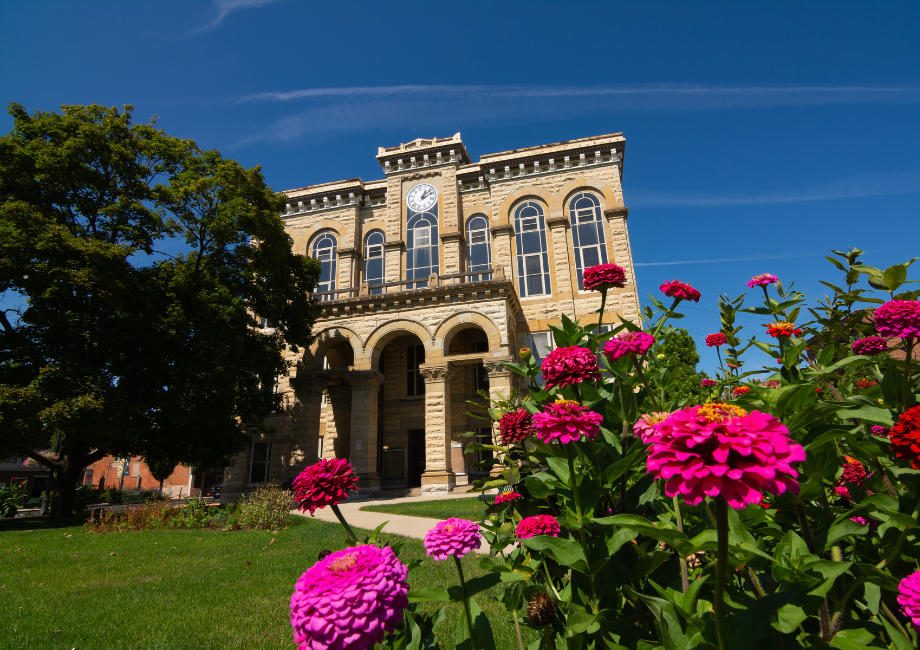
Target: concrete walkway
[[415, 527]]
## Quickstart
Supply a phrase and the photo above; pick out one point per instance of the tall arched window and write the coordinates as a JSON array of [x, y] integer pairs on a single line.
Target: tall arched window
[[373, 260], [533, 261], [478, 247], [324, 249], [421, 234], [587, 232]]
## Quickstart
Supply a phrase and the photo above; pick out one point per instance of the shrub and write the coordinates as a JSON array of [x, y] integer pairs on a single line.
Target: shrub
[[265, 508], [111, 495], [11, 499], [82, 497]]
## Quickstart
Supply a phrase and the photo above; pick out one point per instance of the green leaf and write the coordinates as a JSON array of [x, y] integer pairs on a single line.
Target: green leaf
[[874, 414], [481, 583], [481, 628], [565, 551], [560, 467], [788, 618], [899, 641], [428, 595], [746, 628], [844, 529], [873, 574], [895, 276]]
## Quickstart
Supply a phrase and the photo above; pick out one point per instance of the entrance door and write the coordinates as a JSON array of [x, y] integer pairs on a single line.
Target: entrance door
[[416, 457]]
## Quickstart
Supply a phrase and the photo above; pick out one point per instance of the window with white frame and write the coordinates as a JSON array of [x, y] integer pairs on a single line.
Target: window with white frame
[[478, 247], [324, 250], [422, 258], [532, 258], [540, 344], [374, 260], [587, 232], [415, 383], [258, 462]]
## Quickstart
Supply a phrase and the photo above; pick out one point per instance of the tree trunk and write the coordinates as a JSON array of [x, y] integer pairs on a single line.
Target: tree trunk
[[65, 488]]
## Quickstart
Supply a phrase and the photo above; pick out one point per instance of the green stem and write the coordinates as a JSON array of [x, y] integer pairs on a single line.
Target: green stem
[[466, 603], [549, 581], [878, 468], [896, 551], [600, 317], [684, 573], [348, 531], [625, 443], [517, 628], [550, 643], [894, 620], [803, 523], [721, 365], [841, 603], [645, 383], [711, 516], [573, 481], [721, 569]]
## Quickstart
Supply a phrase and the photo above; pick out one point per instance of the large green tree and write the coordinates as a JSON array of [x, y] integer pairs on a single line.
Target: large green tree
[[680, 356], [142, 260]]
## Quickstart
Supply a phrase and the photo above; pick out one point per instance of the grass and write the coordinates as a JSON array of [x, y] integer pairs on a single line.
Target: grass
[[472, 509], [63, 588]]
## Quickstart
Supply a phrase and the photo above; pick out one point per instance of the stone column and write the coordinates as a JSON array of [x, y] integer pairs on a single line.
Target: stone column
[[392, 251], [439, 475], [566, 280], [365, 386], [305, 421], [500, 381], [502, 245], [621, 254], [338, 422], [451, 242], [347, 271]]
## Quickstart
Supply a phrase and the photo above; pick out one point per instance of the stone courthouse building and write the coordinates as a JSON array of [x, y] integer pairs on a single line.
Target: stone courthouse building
[[431, 277]]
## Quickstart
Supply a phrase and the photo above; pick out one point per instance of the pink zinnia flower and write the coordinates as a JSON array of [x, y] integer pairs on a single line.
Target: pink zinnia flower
[[870, 345], [762, 280], [862, 521], [899, 318], [566, 421], [708, 383], [566, 366], [515, 426], [680, 290], [715, 340], [604, 276], [323, 484], [881, 432], [538, 525], [644, 429], [909, 598], [630, 344], [507, 497], [349, 600], [853, 472], [455, 537], [842, 492], [721, 450], [770, 383]]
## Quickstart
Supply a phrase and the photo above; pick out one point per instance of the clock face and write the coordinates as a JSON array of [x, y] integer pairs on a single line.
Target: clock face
[[422, 197]]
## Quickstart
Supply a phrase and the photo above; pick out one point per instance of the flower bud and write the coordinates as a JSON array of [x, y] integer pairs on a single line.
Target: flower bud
[[493, 517], [525, 354]]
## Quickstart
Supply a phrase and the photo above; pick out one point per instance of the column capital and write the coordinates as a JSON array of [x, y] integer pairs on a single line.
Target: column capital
[[557, 221], [621, 212], [436, 373], [309, 383], [496, 369], [365, 379]]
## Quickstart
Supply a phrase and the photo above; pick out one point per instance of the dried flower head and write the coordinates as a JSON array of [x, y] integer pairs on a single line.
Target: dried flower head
[[604, 276], [349, 600], [567, 366], [721, 450], [323, 484], [541, 610], [455, 537]]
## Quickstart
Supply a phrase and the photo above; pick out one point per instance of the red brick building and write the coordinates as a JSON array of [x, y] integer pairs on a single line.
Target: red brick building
[[108, 472]]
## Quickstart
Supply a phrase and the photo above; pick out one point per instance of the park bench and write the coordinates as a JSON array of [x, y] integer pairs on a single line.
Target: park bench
[[489, 499], [129, 499]]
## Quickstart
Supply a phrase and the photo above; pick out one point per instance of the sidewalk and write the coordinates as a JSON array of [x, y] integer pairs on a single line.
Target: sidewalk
[[414, 527]]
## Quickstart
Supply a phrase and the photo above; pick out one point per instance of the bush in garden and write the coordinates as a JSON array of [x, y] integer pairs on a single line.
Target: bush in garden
[[265, 508], [779, 511]]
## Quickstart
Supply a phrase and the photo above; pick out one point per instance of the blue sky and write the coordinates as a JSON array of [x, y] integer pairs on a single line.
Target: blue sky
[[759, 135]]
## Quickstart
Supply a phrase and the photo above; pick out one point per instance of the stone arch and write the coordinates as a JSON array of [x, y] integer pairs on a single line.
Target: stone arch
[[608, 197], [478, 208], [303, 238], [328, 339], [544, 196], [378, 339], [449, 327]]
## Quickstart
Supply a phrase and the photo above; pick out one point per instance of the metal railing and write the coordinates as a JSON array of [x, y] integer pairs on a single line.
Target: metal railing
[[433, 280]]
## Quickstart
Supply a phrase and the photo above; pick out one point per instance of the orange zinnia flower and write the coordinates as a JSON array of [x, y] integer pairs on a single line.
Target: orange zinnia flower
[[783, 329]]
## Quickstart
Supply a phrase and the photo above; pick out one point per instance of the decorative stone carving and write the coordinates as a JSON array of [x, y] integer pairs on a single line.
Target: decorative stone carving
[[368, 379], [309, 384], [496, 369], [436, 373]]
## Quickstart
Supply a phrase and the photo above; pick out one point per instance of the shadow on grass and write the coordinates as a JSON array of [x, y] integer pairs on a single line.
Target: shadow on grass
[[41, 523]]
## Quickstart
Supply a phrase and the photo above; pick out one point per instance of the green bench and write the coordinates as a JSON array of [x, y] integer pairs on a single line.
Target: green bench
[[489, 499], [129, 499]]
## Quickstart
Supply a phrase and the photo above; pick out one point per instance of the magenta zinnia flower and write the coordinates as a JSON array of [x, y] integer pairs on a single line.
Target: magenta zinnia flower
[[899, 318], [515, 426], [715, 340], [604, 276], [677, 289], [566, 366], [721, 450], [630, 344], [708, 383], [870, 345], [881, 432], [349, 600], [324, 484], [770, 383], [644, 428], [455, 537], [762, 280], [909, 598], [538, 525], [566, 421], [507, 497]]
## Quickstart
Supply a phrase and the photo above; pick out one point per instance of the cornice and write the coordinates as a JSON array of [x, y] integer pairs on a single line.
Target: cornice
[[451, 235], [501, 228], [620, 211], [397, 243]]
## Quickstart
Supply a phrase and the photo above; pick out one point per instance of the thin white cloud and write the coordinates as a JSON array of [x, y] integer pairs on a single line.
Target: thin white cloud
[[223, 8], [851, 187], [726, 259], [366, 108]]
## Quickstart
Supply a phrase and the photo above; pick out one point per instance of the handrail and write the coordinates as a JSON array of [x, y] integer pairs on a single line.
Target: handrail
[[399, 283], [467, 274]]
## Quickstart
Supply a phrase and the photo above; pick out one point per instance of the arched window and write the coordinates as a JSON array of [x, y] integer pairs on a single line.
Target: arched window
[[421, 234], [587, 232], [532, 259], [478, 247], [324, 249], [373, 260]]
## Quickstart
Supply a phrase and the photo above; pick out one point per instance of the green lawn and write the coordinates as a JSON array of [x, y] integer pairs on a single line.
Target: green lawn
[[472, 509], [64, 588]]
